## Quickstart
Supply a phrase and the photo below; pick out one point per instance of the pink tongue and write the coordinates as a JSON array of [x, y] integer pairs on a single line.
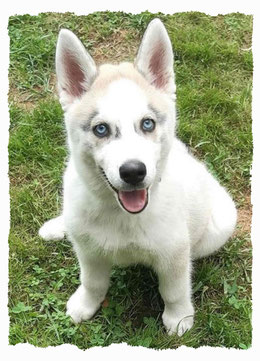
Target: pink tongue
[[133, 201]]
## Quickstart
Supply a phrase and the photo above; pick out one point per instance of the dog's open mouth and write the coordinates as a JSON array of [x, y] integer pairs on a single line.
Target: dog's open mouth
[[133, 201]]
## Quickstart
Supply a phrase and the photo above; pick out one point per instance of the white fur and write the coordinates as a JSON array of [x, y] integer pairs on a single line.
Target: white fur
[[189, 215], [53, 229]]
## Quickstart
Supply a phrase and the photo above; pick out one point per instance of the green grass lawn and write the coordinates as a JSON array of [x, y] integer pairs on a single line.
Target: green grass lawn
[[213, 65]]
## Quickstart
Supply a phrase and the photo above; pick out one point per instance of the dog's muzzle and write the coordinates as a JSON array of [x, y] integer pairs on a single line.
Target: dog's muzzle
[[132, 200]]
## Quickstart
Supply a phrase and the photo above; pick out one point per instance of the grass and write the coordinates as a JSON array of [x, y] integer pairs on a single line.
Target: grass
[[213, 65]]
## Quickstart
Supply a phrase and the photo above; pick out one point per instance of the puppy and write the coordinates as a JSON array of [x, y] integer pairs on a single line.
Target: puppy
[[132, 191]]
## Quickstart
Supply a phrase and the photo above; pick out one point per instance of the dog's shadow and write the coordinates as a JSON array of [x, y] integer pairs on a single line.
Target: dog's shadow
[[135, 288]]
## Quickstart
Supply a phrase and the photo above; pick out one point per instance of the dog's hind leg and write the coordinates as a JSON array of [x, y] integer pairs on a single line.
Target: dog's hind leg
[[220, 227], [54, 229]]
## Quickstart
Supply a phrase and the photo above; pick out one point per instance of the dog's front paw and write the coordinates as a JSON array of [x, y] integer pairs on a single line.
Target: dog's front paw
[[53, 229], [177, 322], [80, 307]]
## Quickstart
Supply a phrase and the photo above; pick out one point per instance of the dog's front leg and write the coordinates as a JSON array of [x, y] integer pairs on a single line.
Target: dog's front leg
[[94, 276], [175, 289]]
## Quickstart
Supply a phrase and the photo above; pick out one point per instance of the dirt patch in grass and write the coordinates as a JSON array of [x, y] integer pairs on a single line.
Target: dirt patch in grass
[[20, 98], [247, 43], [28, 99], [122, 46], [244, 217]]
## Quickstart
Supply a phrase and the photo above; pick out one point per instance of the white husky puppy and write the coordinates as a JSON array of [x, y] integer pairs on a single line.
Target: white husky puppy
[[132, 192]]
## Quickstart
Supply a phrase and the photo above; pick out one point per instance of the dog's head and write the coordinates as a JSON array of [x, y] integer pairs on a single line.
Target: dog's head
[[120, 119]]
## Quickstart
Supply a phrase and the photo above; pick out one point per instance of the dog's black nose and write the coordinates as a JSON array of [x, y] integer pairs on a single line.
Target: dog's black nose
[[132, 172]]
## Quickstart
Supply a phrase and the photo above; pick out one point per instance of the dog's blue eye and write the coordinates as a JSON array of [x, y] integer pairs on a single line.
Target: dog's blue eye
[[101, 130], [148, 125]]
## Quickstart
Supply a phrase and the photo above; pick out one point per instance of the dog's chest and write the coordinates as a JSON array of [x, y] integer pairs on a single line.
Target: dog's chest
[[125, 241], [117, 233]]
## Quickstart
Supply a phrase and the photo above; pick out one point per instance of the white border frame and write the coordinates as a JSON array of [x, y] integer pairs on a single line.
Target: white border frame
[[116, 351]]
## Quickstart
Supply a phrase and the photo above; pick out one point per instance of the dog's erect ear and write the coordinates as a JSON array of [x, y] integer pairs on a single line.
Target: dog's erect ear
[[75, 68], [155, 58]]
